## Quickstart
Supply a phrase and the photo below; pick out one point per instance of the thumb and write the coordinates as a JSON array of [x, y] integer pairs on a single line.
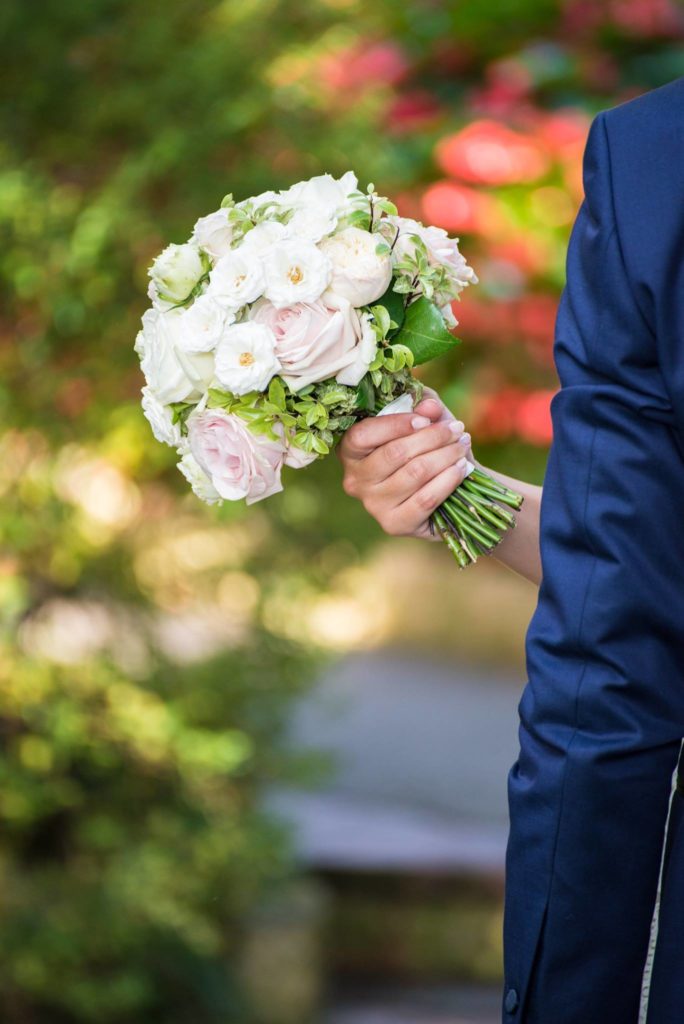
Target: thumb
[[432, 406]]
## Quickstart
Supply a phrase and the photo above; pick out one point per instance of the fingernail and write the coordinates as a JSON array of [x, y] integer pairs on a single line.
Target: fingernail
[[461, 464], [455, 426], [420, 421], [465, 439]]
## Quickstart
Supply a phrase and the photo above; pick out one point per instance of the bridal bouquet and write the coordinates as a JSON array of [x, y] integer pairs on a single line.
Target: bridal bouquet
[[284, 319]]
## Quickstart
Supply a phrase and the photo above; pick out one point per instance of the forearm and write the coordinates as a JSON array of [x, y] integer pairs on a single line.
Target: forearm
[[519, 549]]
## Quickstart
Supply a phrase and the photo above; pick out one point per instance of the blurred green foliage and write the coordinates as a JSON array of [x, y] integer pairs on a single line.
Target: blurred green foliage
[[149, 646]]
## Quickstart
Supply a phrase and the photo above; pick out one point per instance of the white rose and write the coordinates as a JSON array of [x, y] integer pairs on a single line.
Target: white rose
[[176, 271], [157, 302], [160, 418], [311, 222], [296, 271], [173, 376], [245, 358], [237, 278], [318, 204], [197, 478], [325, 192], [214, 233], [364, 354], [262, 237], [261, 200], [201, 326], [359, 273]]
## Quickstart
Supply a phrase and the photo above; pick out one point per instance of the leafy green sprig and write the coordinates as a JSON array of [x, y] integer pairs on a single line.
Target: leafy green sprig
[[417, 276], [246, 215], [367, 209]]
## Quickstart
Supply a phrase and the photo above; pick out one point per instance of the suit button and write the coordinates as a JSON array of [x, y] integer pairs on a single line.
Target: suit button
[[512, 1001]]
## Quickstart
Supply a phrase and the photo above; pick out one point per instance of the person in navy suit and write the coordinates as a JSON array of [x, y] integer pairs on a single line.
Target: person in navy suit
[[594, 904]]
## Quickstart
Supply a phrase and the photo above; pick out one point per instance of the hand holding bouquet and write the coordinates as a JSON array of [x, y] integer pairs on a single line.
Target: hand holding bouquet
[[286, 318]]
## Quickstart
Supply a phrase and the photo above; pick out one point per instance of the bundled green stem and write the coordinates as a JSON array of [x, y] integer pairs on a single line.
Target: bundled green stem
[[474, 519]]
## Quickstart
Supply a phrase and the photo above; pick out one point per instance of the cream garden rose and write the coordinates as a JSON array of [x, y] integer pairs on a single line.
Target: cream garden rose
[[238, 463], [317, 340], [359, 274]]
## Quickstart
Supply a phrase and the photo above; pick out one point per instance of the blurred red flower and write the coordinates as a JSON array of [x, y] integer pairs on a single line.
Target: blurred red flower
[[564, 132], [489, 153], [411, 111], [364, 65], [528, 252], [506, 90], [510, 412], [533, 417], [492, 416], [458, 208], [634, 17]]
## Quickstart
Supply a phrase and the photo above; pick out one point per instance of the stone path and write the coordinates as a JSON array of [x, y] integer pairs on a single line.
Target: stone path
[[421, 755], [439, 1005]]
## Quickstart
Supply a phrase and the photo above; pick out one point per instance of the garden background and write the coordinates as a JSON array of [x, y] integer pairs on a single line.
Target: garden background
[[150, 646]]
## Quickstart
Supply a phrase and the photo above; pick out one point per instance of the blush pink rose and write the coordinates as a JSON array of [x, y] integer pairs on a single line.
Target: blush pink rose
[[239, 464], [318, 340], [295, 457]]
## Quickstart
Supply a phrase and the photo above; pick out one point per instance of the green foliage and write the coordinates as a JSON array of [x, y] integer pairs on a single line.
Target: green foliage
[[131, 851], [424, 332]]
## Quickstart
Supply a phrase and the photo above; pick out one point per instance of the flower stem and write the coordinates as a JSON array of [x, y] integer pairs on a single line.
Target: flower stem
[[473, 520]]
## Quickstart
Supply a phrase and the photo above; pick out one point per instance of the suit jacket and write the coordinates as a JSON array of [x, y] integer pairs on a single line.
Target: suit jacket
[[602, 713]]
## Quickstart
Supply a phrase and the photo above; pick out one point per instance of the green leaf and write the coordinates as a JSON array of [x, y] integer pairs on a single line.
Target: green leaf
[[387, 206], [365, 394], [382, 318], [220, 398], [304, 440], [320, 446], [276, 393], [393, 303], [359, 218], [424, 332], [311, 415]]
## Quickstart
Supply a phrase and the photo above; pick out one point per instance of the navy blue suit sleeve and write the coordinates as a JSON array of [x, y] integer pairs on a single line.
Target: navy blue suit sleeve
[[603, 709]]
